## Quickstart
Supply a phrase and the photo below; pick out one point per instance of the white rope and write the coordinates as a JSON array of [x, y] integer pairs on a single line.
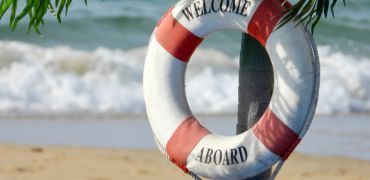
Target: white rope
[[194, 176], [282, 4], [164, 152], [160, 147], [276, 170]]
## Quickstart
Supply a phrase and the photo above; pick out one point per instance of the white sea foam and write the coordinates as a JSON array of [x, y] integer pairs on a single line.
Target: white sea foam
[[345, 83], [61, 79]]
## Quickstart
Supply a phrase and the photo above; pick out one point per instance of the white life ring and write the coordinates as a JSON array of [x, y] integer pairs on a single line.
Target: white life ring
[[296, 80]]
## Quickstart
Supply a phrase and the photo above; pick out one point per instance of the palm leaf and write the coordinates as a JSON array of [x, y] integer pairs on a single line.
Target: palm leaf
[[304, 11], [13, 14], [308, 12], [4, 6], [36, 10]]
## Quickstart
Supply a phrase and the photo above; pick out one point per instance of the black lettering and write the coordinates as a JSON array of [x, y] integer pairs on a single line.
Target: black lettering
[[217, 157], [208, 156], [243, 153], [234, 153], [200, 8], [188, 14], [223, 6], [198, 11], [226, 159], [205, 8], [244, 11], [200, 156], [233, 7], [218, 154], [213, 6]]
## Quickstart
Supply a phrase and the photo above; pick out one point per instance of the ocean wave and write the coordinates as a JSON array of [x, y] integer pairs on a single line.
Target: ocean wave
[[61, 80], [345, 83]]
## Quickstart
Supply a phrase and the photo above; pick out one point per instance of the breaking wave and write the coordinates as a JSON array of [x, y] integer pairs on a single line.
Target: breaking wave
[[61, 79]]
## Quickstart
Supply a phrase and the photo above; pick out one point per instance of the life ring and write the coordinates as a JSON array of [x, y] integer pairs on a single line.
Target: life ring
[[296, 80]]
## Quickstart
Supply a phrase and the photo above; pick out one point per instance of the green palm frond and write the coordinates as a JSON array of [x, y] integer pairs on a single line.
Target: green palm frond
[[306, 11], [36, 10], [309, 12]]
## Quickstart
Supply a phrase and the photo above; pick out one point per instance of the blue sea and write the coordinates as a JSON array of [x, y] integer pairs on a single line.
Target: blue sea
[[345, 135], [93, 61]]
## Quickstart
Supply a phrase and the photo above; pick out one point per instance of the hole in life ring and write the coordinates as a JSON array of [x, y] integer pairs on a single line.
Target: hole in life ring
[[212, 82]]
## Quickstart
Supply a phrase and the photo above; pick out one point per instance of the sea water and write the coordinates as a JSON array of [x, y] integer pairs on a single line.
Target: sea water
[[328, 136], [93, 61]]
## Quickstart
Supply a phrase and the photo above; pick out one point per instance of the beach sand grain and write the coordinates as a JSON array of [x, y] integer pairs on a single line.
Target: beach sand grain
[[25, 162]]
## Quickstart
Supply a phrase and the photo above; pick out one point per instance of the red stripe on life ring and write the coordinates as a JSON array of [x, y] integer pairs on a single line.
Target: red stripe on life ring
[[183, 140], [275, 135], [265, 19], [175, 38]]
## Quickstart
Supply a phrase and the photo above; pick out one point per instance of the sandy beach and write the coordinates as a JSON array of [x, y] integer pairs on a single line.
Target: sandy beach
[[24, 162]]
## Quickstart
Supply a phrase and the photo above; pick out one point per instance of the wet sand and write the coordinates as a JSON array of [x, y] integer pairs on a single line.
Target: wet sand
[[24, 162]]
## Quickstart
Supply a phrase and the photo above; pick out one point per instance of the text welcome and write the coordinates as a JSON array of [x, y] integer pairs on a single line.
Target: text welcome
[[200, 8]]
